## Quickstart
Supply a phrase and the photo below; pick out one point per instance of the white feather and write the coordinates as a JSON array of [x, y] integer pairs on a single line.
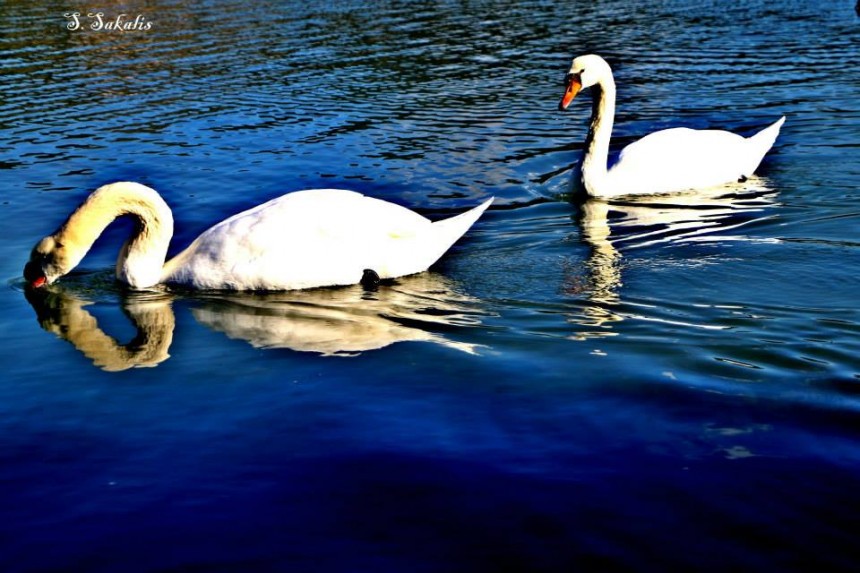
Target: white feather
[[319, 237]]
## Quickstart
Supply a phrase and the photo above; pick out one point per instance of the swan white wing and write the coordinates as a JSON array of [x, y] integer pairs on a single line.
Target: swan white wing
[[681, 158], [306, 239]]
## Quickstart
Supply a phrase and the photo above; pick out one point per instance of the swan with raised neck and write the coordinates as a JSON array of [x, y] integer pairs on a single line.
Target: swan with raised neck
[[304, 239], [665, 161]]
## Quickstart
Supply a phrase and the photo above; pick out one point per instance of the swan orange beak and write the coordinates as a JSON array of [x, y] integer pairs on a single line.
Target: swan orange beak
[[572, 86]]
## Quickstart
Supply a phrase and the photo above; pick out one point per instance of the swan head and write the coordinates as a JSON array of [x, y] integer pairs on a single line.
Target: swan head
[[49, 260], [585, 72]]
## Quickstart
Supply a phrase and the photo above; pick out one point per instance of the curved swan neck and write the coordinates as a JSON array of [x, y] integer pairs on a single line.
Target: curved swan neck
[[594, 162], [142, 257]]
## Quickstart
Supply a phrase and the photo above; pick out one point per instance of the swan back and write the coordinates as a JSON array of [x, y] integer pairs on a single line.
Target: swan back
[[313, 238], [681, 158]]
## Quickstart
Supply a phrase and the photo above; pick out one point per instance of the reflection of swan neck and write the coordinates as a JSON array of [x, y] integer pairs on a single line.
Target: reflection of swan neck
[[594, 162], [67, 317], [142, 257], [605, 259]]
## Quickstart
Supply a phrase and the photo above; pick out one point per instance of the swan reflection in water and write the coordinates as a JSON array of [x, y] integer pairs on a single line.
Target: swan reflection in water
[[344, 321], [612, 227], [333, 322], [64, 313]]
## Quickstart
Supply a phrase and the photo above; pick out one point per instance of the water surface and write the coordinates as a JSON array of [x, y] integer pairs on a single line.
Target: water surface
[[657, 383]]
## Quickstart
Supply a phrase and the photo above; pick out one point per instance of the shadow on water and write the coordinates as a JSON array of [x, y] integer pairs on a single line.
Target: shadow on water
[[331, 322]]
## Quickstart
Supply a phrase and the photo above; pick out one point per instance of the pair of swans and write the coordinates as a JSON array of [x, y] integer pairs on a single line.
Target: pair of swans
[[332, 237], [423, 307]]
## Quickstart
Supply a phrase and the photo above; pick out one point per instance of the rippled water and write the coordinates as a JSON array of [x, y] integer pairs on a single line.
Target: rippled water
[[649, 384]]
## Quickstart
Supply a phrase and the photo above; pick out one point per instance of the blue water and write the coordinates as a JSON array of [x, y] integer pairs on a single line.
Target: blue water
[[652, 384]]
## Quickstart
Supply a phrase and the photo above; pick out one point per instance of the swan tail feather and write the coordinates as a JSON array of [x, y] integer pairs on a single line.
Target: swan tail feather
[[763, 141], [448, 231]]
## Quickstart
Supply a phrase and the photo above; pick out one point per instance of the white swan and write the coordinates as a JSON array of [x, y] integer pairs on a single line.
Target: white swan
[[305, 239], [664, 161]]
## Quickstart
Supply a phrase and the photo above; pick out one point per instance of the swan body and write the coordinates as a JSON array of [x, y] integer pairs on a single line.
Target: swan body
[[305, 239], [665, 161]]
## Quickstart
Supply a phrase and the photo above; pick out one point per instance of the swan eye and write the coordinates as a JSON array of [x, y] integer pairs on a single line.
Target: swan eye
[[570, 76]]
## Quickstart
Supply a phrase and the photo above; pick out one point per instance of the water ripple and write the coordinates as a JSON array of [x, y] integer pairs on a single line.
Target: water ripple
[[437, 106]]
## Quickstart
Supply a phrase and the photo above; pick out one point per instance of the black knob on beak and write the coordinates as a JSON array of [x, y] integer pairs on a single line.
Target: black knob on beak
[[33, 274]]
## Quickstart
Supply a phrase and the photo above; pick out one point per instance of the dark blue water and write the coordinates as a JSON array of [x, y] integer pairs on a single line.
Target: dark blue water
[[652, 384]]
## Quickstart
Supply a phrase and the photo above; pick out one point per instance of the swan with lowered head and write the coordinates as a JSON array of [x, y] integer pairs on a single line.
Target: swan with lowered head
[[305, 239], [665, 161]]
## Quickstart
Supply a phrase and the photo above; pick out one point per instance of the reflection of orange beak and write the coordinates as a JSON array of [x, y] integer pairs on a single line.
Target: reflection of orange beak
[[573, 87]]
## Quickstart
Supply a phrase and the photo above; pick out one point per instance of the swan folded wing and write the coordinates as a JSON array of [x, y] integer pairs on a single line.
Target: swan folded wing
[[304, 240], [681, 158]]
